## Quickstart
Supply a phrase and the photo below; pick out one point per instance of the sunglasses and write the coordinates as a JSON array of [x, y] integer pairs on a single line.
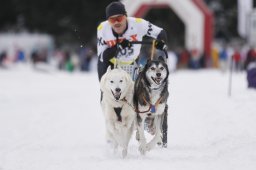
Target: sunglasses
[[112, 20]]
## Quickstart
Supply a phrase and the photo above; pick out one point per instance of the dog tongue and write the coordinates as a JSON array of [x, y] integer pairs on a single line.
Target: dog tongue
[[158, 80]]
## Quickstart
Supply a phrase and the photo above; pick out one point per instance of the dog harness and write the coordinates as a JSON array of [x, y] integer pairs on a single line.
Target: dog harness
[[118, 113], [152, 108]]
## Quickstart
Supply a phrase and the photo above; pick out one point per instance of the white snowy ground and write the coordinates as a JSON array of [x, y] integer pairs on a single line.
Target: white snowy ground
[[53, 121]]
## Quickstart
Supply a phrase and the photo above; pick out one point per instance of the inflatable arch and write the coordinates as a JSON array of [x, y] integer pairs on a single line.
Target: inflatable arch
[[197, 18]]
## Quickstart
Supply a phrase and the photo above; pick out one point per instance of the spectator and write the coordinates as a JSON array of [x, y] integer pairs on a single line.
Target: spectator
[[34, 57], [20, 55], [86, 56], [37, 57], [215, 58], [223, 58], [251, 74], [184, 58], [251, 56], [194, 62], [69, 66], [250, 66], [202, 60], [237, 60], [60, 56], [3, 57]]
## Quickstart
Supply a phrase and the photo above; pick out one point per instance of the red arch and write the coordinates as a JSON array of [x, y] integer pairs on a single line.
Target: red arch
[[208, 20], [208, 26], [144, 8]]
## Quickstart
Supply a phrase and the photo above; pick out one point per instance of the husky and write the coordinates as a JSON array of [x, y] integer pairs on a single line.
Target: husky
[[117, 95], [150, 102]]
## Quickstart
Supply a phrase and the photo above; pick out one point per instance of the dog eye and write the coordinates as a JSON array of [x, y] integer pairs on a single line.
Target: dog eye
[[161, 68], [121, 81], [111, 81], [152, 68]]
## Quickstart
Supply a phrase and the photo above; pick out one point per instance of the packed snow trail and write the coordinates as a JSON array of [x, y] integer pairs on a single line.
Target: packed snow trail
[[54, 121]]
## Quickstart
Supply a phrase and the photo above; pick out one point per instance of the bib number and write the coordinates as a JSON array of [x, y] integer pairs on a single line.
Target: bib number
[[127, 51]]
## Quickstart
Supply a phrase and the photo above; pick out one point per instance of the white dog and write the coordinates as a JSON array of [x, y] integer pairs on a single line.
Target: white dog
[[117, 87]]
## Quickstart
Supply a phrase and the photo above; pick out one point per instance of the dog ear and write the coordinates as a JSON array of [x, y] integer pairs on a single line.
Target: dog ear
[[148, 59], [128, 77], [118, 67], [129, 81], [154, 57], [109, 68], [161, 58], [102, 82], [103, 78]]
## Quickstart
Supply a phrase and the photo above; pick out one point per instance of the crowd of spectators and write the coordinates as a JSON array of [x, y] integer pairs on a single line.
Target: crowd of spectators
[[242, 59], [62, 59], [236, 59]]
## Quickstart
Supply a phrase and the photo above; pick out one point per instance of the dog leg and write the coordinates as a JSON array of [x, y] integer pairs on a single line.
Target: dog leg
[[127, 138], [111, 134], [160, 142], [115, 147], [142, 141], [157, 136], [111, 141], [124, 152], [165, 126], [136, 126], [109, 137], [125, 146], [137, 135]]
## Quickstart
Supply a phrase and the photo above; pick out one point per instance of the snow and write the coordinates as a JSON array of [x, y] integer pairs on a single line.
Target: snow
[[53, 121]]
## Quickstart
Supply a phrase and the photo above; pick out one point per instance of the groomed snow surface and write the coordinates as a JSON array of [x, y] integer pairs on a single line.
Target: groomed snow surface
[[53, 121]]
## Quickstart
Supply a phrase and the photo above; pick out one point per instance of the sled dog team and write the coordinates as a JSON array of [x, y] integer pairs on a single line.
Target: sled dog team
[[135, 106]]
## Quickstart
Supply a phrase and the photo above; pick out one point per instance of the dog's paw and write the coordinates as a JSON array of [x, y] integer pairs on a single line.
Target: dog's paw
[[115, 149], [152, 130], [124, 153], [142, 149], [159, 143], [149, 146], [164, 145]]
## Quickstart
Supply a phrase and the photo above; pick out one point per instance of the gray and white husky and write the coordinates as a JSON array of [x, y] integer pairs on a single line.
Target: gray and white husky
[[150, 102]]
